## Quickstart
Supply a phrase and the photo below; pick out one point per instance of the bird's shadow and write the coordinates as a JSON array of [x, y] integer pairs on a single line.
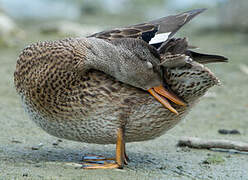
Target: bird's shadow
[[62, 154]]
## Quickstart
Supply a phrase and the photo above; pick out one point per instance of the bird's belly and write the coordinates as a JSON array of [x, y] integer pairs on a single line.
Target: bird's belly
[[140, 122]]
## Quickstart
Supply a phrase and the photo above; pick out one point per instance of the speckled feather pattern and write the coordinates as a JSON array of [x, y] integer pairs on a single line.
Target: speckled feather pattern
[[70, 103]]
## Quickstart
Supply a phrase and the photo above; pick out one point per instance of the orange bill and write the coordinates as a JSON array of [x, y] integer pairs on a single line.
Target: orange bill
[[169, 95], [162, 101]]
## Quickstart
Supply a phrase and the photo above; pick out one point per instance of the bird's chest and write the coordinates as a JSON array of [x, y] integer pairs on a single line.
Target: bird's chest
[[142, 117]]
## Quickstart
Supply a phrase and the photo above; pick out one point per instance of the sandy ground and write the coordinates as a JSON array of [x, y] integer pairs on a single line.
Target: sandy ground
[[27, 152]]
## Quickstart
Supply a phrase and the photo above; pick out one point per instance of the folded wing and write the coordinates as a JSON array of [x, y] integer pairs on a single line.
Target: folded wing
[[154, 32]]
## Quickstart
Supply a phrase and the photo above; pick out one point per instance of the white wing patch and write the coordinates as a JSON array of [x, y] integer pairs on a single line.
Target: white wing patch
[[158, 38]]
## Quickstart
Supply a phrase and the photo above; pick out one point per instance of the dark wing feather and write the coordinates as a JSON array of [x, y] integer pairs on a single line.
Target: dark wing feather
[[205, 58], [146, 31], [143, 31], [175, 22]]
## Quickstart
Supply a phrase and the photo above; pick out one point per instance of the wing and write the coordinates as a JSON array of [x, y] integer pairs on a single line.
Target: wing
[[154, 32], [145, 31]]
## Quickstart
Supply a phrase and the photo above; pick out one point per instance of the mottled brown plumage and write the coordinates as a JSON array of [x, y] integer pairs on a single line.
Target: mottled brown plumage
[[84, 89]]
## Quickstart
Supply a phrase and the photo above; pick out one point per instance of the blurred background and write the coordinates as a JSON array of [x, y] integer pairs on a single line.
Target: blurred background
[[222, 29], [19, 19]]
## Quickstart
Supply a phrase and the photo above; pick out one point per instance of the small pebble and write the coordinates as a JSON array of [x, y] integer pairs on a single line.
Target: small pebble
[[226, 131], [162, 167], [25, 174], [37, 147], [180, 167], [37, 165], [56, 143], [205, 162], [15, 141]]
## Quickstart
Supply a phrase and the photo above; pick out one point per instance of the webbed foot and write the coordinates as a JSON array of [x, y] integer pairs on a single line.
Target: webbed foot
[[100, 162]]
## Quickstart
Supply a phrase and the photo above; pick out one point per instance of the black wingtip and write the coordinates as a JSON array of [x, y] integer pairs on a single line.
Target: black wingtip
[[225, 59], [196, 11], [192, 13], [175, 22]]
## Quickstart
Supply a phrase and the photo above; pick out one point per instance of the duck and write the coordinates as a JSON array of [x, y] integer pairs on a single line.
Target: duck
[[117, 86]]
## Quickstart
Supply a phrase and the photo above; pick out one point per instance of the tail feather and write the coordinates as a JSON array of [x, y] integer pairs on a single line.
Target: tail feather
[[205, 58]]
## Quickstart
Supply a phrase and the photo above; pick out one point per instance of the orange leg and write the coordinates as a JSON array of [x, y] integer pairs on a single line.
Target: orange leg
[[99, 162]]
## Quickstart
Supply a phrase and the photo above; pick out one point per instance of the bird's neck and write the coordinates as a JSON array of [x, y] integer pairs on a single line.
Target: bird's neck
[[103, 56], [126, 61]]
